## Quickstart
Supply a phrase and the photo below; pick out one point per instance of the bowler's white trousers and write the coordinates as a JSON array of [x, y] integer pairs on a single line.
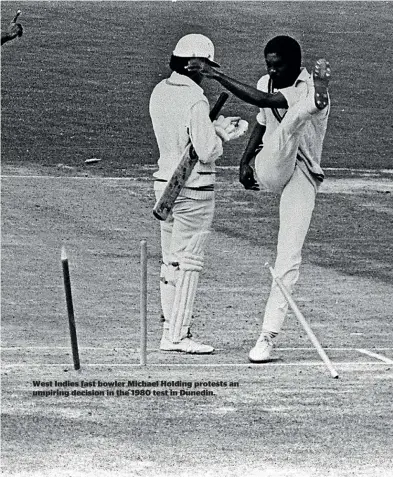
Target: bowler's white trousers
[[277, 171]]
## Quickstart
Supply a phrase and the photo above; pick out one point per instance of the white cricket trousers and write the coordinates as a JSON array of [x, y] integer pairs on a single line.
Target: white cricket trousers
[[188, 217], [277, 171]]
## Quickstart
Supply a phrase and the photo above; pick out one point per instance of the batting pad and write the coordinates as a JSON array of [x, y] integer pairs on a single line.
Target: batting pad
[[167, 291], [190, 266]]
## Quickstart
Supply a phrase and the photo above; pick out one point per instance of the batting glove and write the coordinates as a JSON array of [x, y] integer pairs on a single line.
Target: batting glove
[[230, 128]]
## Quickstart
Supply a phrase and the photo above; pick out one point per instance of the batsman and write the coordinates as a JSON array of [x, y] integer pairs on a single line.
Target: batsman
[[179, 112]]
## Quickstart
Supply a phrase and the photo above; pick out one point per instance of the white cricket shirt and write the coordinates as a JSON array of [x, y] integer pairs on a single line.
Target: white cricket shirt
[[179, 111]]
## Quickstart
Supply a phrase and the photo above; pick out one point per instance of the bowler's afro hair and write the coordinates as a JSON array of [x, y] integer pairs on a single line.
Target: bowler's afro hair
[[286, 47]]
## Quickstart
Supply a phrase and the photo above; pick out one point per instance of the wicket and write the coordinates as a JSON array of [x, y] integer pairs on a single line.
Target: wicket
[[143, 306], [143, 303], [70, 309], [143, 311], [303, 322]]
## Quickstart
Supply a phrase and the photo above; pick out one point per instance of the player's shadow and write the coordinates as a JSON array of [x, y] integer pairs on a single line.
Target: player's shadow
[[270, 361]]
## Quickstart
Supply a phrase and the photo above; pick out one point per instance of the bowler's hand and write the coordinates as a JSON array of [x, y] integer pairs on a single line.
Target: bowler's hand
[[199, 66], [15, 29], [246, 177]]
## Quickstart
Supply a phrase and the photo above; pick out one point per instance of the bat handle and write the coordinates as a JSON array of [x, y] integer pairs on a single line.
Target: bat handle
[[219, 104]]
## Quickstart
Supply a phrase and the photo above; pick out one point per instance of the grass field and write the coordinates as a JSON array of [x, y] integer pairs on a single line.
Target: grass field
[[76, 86]]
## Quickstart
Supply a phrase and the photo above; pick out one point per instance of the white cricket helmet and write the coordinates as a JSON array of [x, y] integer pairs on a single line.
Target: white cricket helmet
[[195, 45]]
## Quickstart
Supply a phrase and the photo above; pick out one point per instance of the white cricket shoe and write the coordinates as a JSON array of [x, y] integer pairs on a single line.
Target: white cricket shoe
[[260, 353], [186, 345], [321, 77]]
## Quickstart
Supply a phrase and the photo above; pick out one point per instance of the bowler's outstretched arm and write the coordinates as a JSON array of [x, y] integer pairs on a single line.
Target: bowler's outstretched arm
[[246, 93]]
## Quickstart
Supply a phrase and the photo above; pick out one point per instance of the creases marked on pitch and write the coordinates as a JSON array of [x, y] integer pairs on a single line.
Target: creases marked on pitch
[[193, 365], [375, 355], [149, 167]]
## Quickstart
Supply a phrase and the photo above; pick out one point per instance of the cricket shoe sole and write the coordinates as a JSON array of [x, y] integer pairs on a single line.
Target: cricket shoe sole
[[321, 77]]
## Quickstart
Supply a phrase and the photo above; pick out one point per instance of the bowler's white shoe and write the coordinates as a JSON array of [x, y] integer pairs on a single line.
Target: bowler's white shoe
[[321, 77], [186, 345], [261, 351]]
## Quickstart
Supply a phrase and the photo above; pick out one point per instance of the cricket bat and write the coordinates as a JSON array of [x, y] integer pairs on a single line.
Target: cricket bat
[[165, 203]]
